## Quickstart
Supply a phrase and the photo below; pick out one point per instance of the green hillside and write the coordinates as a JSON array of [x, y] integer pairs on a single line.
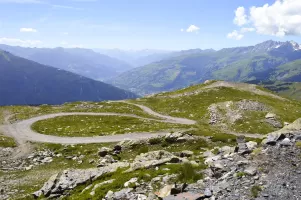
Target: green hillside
[[194, 103], [260, 62]]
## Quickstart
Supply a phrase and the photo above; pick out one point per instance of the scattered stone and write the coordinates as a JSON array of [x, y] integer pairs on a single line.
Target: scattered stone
[[208, 154], [251, 171], [152, 159], [108, 159], [251, 145], [176, 190], [132, 180], [103, 151], [207, 192], [117, 148], [226, 150], [285, 142], [242, 147], [186, 153], [186, 195], [165, 191], [109, 194], [178, 137], [29, 167], [270, 116], [273, 122]]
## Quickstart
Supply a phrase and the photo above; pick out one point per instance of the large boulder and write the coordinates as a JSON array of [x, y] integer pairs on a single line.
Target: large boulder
[[152, 159], [251, 145], [104, 151], [274, 122], [290, 130], [242, 147], [178, 137], [69, 179]]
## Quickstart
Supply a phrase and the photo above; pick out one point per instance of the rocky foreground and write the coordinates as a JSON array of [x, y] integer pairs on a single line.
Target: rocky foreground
[[271, 170]]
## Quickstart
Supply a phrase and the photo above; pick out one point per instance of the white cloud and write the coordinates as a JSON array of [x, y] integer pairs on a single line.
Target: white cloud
[[182, 29], [240, 16], [32, 30], [279, 19], [19, 42], [245, 30], [235, 35], [65, 33], [192, 28]]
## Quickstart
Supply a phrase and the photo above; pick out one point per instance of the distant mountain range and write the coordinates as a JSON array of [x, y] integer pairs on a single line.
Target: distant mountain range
[[26, 82], [143, 57], [136, 58], [270, 60], [84, 62]]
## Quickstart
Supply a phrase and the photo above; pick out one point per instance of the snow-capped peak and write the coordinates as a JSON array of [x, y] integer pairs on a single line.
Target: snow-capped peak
[[289, 44], [295, 45]]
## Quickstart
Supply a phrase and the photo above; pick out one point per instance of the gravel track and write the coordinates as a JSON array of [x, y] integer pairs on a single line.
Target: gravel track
[[22, 131]]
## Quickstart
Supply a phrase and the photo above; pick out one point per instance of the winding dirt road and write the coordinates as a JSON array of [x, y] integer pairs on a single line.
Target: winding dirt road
[[22, 131]]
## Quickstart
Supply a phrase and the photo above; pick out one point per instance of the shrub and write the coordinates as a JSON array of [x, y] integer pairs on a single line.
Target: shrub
[[298, 144], [255, 190], [154, 141], [164, 144], [240, 174], [187, 173], [143, 149]]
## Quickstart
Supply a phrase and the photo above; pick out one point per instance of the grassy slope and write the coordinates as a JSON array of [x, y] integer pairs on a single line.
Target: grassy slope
[[288, 72], [25, 112], [290, 90], [72, 126], [257, 67], [4, 140], [195, 106]]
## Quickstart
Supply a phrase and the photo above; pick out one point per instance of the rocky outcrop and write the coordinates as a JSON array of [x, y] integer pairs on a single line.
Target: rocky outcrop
[[233, 111], [248, 105], [271, 119], [152, 159], [59, 184], [291, 131], [126, 193]]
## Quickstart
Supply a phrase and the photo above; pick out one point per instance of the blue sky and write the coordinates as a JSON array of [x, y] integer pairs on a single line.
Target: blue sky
[[147, 24]]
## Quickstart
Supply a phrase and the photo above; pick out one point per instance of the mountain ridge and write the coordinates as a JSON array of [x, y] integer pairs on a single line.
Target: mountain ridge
[[258, 62], [81, 61], [27, 82]]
